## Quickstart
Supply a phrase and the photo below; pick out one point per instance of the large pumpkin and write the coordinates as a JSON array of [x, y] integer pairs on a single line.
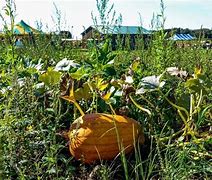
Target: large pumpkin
[[102, 136]]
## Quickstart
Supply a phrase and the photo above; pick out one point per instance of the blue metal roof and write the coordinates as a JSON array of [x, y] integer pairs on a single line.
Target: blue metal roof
[[120, 29], [181, 37]]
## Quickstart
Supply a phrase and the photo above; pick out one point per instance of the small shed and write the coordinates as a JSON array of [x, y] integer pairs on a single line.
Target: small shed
[[114, 32]]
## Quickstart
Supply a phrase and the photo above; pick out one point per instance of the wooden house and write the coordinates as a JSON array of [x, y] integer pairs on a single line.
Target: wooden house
[[124, 35]]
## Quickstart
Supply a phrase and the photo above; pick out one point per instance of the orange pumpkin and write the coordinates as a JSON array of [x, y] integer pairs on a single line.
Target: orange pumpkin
[[99, 136]]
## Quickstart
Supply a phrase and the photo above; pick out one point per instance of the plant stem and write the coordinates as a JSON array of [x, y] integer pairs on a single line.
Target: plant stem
[[79, 108]]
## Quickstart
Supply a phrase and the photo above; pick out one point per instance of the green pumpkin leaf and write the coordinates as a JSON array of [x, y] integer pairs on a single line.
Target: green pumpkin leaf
[[79, 74], [192, 82], [194, 85], [83, 93], [50, 77]]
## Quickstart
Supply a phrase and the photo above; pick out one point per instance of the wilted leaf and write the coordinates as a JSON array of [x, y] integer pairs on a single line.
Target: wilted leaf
[[174, 71], [65, 65], [70, 96], [65, 84], [140, 91], [129, 79], [151, 82], [118, 93], [116, 83]]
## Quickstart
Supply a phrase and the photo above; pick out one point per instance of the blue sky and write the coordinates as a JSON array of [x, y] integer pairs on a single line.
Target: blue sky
[[76, 14]]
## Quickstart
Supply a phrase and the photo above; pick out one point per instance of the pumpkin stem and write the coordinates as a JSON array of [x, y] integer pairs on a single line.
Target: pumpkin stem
[[72, 99], [140, 107], [79, 108], [111, 107]]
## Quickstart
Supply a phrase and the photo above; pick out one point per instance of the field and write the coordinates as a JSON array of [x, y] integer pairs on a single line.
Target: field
[[167, 89]]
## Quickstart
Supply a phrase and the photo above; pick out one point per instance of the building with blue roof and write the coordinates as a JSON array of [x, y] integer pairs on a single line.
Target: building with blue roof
[[183, 40], [182, 37], [99, 32]]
